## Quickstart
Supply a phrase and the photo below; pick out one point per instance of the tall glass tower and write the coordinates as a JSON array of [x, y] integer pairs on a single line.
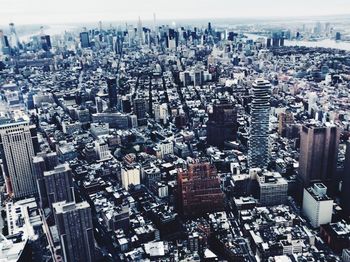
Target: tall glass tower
[[258, 154]]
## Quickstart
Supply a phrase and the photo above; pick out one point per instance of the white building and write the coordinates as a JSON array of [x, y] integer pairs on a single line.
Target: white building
[[26, 211], [102, 150], [161, 112], [130, 175], [166, 148], [317, 206], [273, 188]]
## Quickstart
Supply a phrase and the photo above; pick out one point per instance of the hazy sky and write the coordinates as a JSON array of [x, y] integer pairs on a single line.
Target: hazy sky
[[59, 11]]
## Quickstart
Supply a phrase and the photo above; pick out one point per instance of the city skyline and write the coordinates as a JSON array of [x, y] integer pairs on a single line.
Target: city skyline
[[34, 12], [174, 131]]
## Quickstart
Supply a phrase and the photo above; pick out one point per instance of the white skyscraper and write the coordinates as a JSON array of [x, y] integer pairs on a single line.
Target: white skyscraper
[[17, 150]]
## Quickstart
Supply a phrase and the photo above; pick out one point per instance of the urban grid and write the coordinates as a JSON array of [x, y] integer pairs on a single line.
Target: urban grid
[[200, 140]]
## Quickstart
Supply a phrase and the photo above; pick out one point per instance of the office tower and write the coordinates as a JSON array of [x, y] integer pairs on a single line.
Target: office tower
[[268, 43], [222, 124], [3, 43], [59, 184], [317, 206], [112, 92], [209, 28], [154, 23], [199, 190], [273, 188], [285, 119], [118, 44], [43, 162], [18, 144], [100, 26], [84, 39], [140, 110], [75, 230], [282, 42], [318, 153], [173, 39], [345, 192], [46, 42], [258, 155], [14, 37], [337, 36], [139, 32], [275, 39]]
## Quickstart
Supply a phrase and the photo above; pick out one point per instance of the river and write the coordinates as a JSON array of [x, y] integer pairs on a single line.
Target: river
[[326, 43]]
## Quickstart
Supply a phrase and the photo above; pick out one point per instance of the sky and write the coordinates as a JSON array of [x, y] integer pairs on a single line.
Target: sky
[[76, 11]]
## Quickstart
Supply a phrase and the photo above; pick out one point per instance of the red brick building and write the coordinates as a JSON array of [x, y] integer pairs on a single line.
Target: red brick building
[[199, 190]]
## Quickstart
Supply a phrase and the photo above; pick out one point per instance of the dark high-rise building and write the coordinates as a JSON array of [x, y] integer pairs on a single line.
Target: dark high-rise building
[[59, 184], [258, 155], [285, 119], [46, 42], [337, 36], [112, 92], [140, 110], [18, 145], [318, 153], [84, 39], [43, 162], [268, 42], [209, 28], [75, 230], [345, 192], [275, 42], [119, 44], [222, 124], [199, 190]]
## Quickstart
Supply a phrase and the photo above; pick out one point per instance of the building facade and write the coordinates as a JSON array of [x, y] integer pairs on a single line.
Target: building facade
[[318, 153], [317, 206], [75, 229], [258, 154], [17, 145], [199, 190]]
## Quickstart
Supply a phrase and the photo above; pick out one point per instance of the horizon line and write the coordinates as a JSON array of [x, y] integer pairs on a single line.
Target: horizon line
[[252, 18]]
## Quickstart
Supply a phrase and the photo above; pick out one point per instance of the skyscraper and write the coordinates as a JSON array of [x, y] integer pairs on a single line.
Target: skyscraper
[[45, 42], [222, 124], [43, 162], [318, 153], [199, 190], [139, 31], [59, 184], [345, 192], [14, 37], [285, 119], [258, 155], [18, 146], [84, 39], [140, 110], [112, 91], [75, 230]]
